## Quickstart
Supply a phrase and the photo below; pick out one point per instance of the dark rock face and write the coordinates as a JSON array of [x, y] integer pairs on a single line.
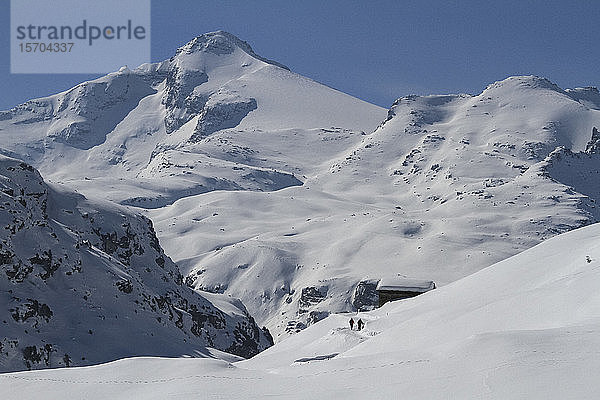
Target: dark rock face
[[180, 100], [124, 286], [32, 309], [222, 116], [247, 336], [316, 316], [84, 283], [593, 146], [311, 296], [365, 297]]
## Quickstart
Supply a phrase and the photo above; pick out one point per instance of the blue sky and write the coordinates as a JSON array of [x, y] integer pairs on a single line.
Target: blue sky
[[374, 50]]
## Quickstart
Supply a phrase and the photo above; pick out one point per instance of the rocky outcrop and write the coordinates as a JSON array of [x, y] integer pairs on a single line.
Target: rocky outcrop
[[221, 114], [82, 283], [365, 297], [179, 98], [593, 146]]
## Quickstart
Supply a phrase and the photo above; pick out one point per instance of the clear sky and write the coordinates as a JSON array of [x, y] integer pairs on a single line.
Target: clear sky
[[374, 50]]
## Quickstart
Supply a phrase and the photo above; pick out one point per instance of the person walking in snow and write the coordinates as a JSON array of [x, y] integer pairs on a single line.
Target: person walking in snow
[[360, 324], [351, 323]]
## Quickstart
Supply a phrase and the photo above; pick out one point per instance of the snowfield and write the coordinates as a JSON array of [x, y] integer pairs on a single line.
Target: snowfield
[[527, 327]]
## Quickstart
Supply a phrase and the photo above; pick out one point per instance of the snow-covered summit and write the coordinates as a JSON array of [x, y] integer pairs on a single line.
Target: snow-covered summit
[[524, 82], [195, 118], [219, 43]]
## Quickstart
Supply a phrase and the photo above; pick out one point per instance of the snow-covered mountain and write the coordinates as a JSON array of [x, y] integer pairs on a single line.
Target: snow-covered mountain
[[296, 198], [444, 187], [84, 282], [526, 327], [213, 117]]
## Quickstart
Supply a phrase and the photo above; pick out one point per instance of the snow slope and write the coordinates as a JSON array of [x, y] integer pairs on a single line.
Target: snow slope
[[526, 327], [84, 282], [446, 186]]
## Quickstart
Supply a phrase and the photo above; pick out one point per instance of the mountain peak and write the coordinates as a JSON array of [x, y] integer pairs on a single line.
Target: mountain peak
[[525, 81], [219, 43]]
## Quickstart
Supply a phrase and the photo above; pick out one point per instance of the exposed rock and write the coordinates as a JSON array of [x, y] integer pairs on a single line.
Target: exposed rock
[[179, 98], [311, 296], [71, 268], [365, 297], [221, 115], [593, 146]]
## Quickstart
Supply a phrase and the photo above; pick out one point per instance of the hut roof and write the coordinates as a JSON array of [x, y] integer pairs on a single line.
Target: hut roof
[[405, 285]]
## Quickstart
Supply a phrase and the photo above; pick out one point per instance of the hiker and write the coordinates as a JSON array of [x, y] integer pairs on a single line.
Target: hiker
[[360, 324], [351, 323]]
